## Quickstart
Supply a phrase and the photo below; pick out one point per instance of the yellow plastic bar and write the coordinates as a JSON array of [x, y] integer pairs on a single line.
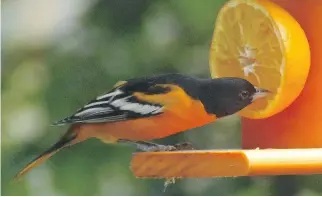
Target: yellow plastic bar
[[226, 163]]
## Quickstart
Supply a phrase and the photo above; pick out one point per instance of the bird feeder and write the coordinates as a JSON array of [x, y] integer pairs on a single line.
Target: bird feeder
[[300, 125], [289, 142]]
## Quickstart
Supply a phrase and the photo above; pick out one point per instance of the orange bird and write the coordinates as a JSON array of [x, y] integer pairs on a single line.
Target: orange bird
[[154, 107]]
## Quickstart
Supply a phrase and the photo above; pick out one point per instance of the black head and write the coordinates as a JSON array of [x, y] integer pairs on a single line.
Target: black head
[[226, 96]]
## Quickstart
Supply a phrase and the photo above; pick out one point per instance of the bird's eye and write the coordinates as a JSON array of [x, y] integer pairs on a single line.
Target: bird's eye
[[244, 95]]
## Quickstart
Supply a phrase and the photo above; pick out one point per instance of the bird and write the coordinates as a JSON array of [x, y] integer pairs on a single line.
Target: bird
[[139, 110]]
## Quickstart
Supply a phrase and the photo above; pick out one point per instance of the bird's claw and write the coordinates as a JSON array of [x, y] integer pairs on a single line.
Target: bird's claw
[[184, 146], [153, 147], [177, 147]]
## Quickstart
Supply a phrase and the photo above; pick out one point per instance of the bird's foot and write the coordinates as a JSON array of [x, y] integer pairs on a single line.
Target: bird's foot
[[153, 147], [184, 146]]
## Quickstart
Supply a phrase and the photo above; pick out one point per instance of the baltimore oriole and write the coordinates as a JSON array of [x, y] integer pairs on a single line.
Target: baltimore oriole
[[153, 107]]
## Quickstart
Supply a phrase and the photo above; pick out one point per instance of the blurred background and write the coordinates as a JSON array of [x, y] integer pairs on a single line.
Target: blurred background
[[59, 54]]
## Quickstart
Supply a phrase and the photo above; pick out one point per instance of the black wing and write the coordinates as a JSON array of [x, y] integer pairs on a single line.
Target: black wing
[[118, 105]]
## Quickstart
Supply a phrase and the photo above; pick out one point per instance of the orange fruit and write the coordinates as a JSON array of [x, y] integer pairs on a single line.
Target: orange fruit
[[259, 41]]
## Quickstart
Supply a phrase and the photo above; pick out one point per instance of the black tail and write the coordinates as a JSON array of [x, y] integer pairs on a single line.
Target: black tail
[[65, 141]]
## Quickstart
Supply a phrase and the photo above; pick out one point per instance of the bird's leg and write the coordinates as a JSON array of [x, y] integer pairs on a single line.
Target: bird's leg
[[153, 147]]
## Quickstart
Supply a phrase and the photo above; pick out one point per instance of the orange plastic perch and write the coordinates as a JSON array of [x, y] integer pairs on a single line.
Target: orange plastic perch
[[224, 163]]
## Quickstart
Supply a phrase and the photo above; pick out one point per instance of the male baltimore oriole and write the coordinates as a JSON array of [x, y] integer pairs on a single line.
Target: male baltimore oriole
[[153, 107]]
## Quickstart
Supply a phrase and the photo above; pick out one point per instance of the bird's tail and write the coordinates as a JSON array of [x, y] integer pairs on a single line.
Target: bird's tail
[[67, 140]]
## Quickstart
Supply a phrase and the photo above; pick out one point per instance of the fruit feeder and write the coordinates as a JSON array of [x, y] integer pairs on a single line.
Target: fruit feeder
[[300, 124], [275, 45]]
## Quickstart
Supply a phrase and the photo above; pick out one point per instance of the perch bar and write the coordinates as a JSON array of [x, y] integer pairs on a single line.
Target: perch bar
[[226, 163]]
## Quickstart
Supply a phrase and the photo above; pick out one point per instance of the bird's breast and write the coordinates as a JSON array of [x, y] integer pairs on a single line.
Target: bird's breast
[[173, 120]]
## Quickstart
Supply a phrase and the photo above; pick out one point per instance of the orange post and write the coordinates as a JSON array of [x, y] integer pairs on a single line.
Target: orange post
[[300, 125]]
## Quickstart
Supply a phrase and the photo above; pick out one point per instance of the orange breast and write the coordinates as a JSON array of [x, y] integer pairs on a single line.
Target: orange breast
[[175, 119]]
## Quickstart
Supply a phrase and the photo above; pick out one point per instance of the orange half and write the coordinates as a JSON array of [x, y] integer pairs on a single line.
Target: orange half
[[259, 41]]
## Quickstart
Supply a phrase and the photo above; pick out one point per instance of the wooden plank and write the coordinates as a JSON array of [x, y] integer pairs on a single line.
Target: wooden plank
[[226, 163]]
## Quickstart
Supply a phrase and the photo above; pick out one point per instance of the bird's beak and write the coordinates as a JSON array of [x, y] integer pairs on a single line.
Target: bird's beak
[[260, 93]]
